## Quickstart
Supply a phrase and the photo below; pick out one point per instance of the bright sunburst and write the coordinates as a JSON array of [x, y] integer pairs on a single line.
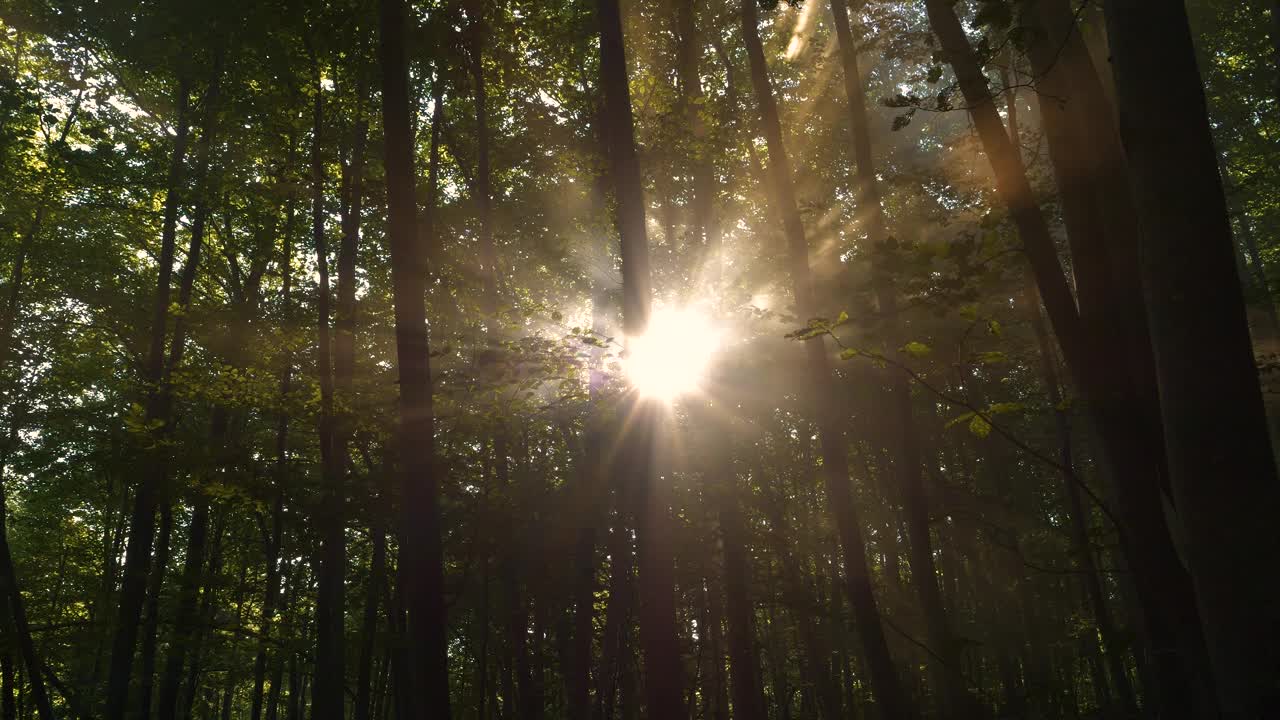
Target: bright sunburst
[[673, 357]]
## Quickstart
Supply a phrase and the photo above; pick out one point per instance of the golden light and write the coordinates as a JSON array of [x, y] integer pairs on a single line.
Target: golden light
[[674, 355]]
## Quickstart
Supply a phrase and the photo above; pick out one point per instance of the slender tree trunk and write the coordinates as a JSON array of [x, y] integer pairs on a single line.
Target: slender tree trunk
[[328, 702], [659, 638], [744, 659], [142, 520], [1198, 330], [1083, 551], [706, 237], [421, 558], [377, 573], [274, 540], [152, 627], [884, 681], [906, 461], [186, 617]]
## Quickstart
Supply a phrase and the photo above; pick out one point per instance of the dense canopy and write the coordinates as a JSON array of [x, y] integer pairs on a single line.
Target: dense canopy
[[618, 359]]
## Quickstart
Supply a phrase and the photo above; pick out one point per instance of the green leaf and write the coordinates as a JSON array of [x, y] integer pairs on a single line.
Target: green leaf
[[1005, 407], [992, 357], [848, 353], [916, 349], [841, 319], [995, 328], [959, 419], [979, 427]]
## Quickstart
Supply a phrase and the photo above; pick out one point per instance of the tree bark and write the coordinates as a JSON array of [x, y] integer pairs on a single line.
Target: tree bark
[[152, 626], [421, 561], [884, 681], [744, 658], [142, 518], [328, 702], [1222, 471], [659, 638], [906, 460], [1123, 420]]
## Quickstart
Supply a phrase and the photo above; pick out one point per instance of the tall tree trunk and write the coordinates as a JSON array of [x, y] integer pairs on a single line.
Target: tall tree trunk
[[1199, 330], [187, 616], [744, 659], [706, 237], [906, 461], [274, 538], [152, 627], [328, 702], [884, 681], [142, 518], [659, 638], [1123, 420], [421, 561], [1081, 548], [8, 680], [368, 632]]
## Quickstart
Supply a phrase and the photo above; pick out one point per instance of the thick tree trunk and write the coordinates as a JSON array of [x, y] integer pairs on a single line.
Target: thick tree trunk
[[421, 559], [884, 681], [1222, 473], [1123, 420], [659, 638], [142, 519]]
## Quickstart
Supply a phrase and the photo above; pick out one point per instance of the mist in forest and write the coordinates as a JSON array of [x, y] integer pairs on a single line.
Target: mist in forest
[[639, 359]]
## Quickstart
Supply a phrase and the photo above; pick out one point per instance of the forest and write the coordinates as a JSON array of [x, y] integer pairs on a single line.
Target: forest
[[639, 359]]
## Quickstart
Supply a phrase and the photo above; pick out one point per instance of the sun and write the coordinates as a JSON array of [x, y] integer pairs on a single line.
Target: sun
[[674, 355]]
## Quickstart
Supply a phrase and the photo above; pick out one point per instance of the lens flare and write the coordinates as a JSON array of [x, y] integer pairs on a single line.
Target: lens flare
[[674, 355]]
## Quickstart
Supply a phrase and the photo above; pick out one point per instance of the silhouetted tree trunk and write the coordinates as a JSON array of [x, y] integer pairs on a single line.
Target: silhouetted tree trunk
[[142, 519], [152, 626], [1122, 420], [835, 469], [1222, 473], [369, 627], [659, 638], [904, 446], [327, 700], [704, 233], [744, 659], [421, 562], [275, 536]]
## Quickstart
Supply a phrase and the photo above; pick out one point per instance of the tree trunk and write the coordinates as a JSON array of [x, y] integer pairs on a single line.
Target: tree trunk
[[421, 560], [659, 638], [274, 540], [1123, 420], [1199, 330], [706, 237], [142, 519], [148, 670], [835, 470], [906, 461], [368, 632], [744, 659], [186, 617], [328, 702]]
